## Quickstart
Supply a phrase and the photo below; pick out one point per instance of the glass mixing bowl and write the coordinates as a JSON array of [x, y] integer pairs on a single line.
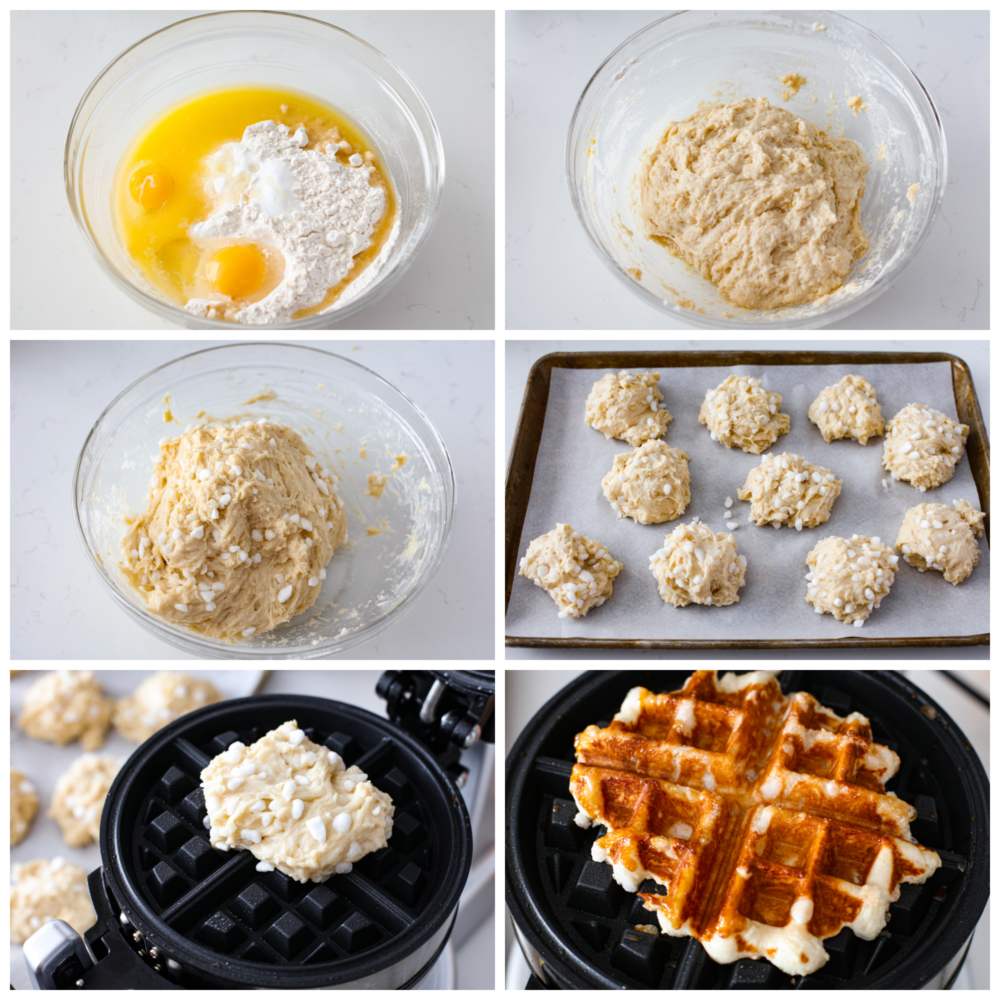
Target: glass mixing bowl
[[351, 418], [255, 47], [690, 60]]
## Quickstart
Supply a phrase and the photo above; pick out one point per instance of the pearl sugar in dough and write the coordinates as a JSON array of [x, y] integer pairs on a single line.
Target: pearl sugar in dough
[[577, 572], [161, 699], [23, 806], [786, 489], [294, 805], [923, 446], [650, 484], [67, 705], [48, 890], [933, 536], [80, 795], [627, 407], [848, 579], [739, 412], [240, 524], [698, 566], [848, 409]]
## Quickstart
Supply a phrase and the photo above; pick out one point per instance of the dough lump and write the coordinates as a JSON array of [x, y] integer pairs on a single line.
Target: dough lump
[[698, 566], [577, 572], [922, 446], [67, 705], [786, 489], [650, 484], [294, 805], [23, 806], [933, 536], [48, 890], [739, 412], [627, 407], [80, 795], [240, 524], [757, 201], [849, 578], [161, 699], [848, 409]]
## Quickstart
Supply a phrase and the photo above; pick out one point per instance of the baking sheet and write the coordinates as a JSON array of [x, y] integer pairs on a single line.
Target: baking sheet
[[573, 458]]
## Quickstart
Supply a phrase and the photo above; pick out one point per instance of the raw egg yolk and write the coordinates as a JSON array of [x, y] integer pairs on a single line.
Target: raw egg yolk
[[237, 271], [151, 186]]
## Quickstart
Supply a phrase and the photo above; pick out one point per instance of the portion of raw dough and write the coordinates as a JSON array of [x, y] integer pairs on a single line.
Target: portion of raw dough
[[294, 806], [757, 201], [923, 446], [933, 536], [67, 705], [161, 699], [740, 412], [698, 566], [786, 489], [240, 524], [80, 795], [650, 484], [848, 579], [48, 890], [577, 572], [627, 407], [23, 806], [848, 409]]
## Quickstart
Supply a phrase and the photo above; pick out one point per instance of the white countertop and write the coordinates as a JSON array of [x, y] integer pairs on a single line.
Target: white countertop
[[59, 388], [556, 281], [57, 55], [522, 354]]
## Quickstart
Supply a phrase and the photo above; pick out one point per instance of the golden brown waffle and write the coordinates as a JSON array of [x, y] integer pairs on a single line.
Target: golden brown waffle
[[765, 817]]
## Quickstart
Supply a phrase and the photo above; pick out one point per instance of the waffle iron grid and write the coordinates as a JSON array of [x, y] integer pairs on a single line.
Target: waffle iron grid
[[598, 918], [219, 901]]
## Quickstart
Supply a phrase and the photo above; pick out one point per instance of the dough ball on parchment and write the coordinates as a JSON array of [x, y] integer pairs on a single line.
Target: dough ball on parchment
[[739, 412], [577, 572], [67, 705], [933, 536], [627, 407], [23, 806], [923, 446], [786, 489], [80, 795], [161, 699], [848, 409], [698, 566], [48, 890], [650, 484], [848, 578], [294, 805]]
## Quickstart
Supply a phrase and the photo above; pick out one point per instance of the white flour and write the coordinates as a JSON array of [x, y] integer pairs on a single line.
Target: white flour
[[317, 212]]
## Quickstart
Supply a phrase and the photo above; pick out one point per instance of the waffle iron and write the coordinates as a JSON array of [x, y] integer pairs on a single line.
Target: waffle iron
[[172, 913], [577, 926]]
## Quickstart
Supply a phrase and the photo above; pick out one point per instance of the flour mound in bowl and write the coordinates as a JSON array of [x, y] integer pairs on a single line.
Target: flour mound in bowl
[[758, 202]]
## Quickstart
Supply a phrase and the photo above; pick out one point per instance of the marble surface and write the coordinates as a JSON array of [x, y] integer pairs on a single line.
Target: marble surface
[[550, 56], [520, 355], [59, 388], [56, 56]]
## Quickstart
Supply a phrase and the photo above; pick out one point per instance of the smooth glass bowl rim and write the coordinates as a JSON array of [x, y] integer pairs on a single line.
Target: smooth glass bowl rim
[[835, 311], [191, 641], [432, 146]]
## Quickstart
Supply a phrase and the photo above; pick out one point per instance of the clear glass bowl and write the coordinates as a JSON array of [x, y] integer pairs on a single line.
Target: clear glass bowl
[[339, 408], [257, 47], [689, 60]]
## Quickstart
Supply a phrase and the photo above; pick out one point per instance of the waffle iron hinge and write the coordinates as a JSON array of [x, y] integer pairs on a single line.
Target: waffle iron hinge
[[447, 710]]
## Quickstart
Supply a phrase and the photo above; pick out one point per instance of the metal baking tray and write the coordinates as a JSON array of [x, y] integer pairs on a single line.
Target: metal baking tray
[[527, 436]]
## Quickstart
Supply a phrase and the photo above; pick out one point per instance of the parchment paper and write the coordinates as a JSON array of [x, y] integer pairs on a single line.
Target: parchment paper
[[573, 458]]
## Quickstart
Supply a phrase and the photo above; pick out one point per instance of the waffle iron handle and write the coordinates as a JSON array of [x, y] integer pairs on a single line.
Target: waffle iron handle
[[117, 965]]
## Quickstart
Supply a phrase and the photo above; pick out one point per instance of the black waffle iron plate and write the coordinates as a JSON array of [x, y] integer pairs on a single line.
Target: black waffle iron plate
[[204, 918], [576, 925]]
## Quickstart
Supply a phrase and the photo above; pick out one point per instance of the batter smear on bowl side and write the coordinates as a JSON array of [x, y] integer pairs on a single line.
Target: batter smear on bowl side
[[758, 202], [253, 205]]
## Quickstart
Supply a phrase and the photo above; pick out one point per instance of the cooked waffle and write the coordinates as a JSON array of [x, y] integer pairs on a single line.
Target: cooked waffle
[[765, 817]]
